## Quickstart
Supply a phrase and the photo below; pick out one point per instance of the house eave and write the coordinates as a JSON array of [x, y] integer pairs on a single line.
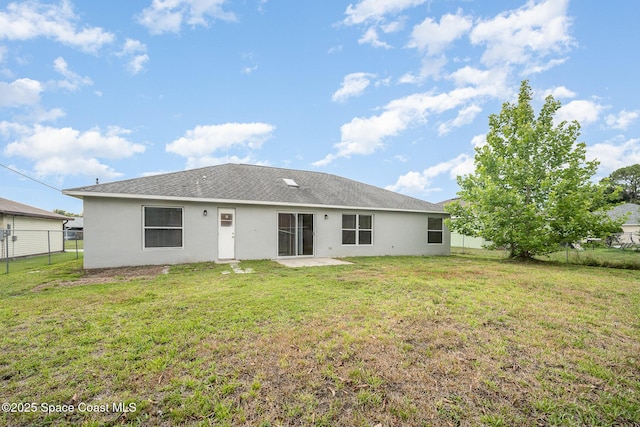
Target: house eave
[[33, 215], [83, 194]]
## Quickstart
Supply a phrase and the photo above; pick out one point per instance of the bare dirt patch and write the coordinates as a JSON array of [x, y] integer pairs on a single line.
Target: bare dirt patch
[[110, 275]]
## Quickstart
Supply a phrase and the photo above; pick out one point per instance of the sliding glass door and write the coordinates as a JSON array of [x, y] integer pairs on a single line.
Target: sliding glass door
[[295, 234]]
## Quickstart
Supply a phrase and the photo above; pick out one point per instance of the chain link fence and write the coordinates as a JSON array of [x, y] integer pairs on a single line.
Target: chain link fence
[[20, 249]]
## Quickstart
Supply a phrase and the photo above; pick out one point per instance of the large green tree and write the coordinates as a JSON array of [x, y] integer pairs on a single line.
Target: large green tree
[[531, 190], [629, 179]]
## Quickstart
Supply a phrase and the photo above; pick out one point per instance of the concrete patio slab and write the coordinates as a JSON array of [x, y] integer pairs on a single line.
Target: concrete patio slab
[[311, 262]]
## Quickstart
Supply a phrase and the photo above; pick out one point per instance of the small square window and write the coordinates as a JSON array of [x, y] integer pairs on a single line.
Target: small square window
[[364, 222], [226, 220], [162, 227], [349, 222], [348, 237], [365, 237]]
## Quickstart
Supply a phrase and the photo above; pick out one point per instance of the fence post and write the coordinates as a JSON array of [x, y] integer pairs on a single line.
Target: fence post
[[49, 245], [6, 238]]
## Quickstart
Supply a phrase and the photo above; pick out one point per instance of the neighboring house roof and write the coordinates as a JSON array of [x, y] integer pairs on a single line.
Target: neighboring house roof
[[251, 184], [76, 222], [9, 207], [627, 208]]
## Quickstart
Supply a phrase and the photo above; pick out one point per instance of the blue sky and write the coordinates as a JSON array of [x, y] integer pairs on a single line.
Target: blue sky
[[394, 93]]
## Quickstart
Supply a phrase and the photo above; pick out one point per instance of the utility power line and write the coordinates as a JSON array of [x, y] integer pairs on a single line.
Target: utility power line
[[32, 179]]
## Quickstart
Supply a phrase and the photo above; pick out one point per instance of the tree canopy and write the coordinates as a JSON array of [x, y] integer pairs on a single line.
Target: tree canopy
[[65, 213], [628, 178], [531, 190]]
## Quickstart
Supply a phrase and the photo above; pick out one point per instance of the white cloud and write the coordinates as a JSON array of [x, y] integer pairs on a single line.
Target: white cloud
[[353, 84], [537, 68], [371, 37], [67, 151], [465, 167], [465, 116], [132, 47], [136, 54], [526, 35], [393, 26], [261, 4], [32, 19], [61, 166], [203, 161], [24, 94], [20, 92], [479, 140], [365, 136], [249, 69], [137, 63], [494, 82], [373, 13], [435, 37], [40, 115], [559, 92], [418, 182], [615, 154], [154, 173], [204, 140], [375, 10], [410, 183], [623, 120], [169, 15], [431, 67], [73, 81], [585, 112]]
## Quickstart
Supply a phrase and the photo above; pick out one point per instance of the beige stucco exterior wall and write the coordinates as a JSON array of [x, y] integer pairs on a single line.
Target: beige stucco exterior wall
[[113, 233]]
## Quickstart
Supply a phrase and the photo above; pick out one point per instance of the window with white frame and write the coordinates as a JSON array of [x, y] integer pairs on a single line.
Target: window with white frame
[[163, 227], [434, 230], [357, 229]]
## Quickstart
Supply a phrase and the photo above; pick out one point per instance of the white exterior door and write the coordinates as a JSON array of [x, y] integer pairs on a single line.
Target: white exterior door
[[226, 233]]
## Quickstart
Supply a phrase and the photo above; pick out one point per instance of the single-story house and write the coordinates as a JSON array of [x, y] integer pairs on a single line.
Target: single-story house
[[73, 230], [631, 227], [26, 230], [242, 212]]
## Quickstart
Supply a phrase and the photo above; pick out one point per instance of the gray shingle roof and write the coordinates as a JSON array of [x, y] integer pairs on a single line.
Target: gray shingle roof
[[9, 207], [262, 184], [620, 210]]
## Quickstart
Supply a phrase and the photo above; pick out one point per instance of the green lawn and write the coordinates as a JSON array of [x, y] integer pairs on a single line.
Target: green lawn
[[34, 264], [600, 257], [462, 340], [588, 255], [72, 245]]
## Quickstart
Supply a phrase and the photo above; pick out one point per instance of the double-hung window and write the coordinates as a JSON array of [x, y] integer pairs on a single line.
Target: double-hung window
[[163, 227], [434, 230], [357, 229]]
